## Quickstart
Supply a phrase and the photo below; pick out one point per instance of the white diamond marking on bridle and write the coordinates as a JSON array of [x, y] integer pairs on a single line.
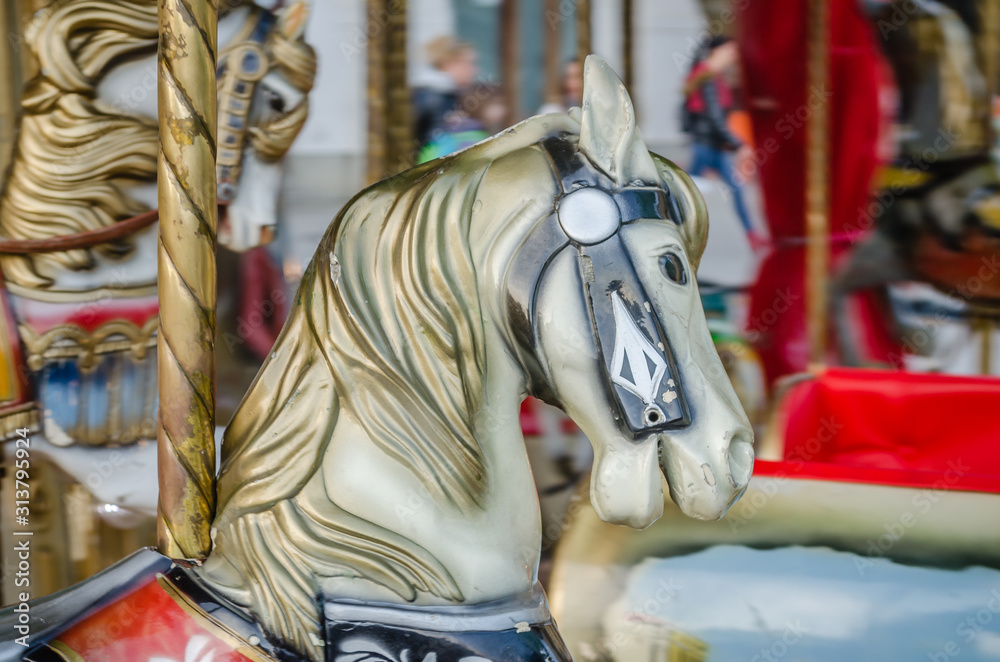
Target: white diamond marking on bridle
[[632, 346]]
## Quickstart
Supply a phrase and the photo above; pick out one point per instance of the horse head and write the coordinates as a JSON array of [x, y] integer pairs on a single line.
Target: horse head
[[378, 456], [606, 317]]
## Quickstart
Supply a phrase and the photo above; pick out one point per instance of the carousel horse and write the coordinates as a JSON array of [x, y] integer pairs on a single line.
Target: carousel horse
[[81, 299], [375, 498], [936, 213]]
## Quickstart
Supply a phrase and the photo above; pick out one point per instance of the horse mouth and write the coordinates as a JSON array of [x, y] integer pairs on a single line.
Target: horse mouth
[[702, 487]]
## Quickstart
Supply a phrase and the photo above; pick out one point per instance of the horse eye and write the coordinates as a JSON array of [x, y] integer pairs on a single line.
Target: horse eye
[[276, 102], [673, 268]]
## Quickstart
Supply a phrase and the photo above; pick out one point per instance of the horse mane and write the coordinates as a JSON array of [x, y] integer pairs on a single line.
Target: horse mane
[[74, 151], [387, 326]]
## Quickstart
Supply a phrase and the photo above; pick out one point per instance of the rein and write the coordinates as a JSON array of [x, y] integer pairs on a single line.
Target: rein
[[78, 240]]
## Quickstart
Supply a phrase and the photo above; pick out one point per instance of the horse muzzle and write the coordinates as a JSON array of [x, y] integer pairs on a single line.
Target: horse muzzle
[[703, 483]]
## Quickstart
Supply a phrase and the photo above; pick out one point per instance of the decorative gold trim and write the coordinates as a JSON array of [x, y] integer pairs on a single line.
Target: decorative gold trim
[[216, 628], [82, 296], [24, 416], [86, 346], [11, 384]]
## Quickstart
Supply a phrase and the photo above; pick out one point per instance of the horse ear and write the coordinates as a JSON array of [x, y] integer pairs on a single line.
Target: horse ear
[[292, 20], [608, 132], [694, 213]]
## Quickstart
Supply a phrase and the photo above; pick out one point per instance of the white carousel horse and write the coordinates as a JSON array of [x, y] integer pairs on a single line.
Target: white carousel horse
[[375, 497], [86, 160]]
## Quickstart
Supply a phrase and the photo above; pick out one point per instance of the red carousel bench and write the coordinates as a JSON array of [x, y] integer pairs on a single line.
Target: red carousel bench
[[889, 428]]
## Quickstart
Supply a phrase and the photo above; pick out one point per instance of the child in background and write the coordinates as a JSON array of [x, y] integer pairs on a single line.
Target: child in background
[[479, 115], [707, 105]]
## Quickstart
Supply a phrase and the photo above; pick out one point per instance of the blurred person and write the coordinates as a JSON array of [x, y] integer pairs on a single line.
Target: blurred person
[[480, 114], [572, 89], [708, 101], [454, 65]]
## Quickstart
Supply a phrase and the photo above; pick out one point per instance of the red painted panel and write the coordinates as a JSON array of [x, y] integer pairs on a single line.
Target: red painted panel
[[146, 625]]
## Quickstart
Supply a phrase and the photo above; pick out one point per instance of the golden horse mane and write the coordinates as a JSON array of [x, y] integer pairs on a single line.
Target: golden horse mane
[[75, 153]]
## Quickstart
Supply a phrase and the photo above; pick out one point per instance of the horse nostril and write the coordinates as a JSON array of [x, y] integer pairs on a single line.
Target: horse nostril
[[740, 460]]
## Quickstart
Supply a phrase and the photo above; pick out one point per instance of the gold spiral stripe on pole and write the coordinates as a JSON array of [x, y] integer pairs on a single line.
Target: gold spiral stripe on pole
[[186, 348]]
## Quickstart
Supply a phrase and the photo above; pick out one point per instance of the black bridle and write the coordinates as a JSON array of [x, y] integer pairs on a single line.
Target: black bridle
[[639, 371]]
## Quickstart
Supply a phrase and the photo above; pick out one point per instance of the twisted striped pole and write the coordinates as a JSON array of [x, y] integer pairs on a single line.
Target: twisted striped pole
[[188, 215]]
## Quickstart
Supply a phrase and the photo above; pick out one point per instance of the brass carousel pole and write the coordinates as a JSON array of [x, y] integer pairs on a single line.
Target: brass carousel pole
[[553, 42], [584, 45], [989, 56], [510, 58], [400, 121], [390, 126], [989, 44], [817, 186], [378, 112], [628, 45], [188, 215], [13, 64]]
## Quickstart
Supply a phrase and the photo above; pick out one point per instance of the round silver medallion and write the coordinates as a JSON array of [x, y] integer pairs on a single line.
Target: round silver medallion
[[589, 215]]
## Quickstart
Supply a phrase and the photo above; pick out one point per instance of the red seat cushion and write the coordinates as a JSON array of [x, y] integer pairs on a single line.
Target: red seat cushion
[[894, 428]]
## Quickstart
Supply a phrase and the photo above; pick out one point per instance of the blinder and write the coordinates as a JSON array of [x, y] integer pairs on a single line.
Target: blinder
[[639, 371]]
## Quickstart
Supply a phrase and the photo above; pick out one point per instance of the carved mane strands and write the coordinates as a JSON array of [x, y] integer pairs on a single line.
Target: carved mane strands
[[73, 150]]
